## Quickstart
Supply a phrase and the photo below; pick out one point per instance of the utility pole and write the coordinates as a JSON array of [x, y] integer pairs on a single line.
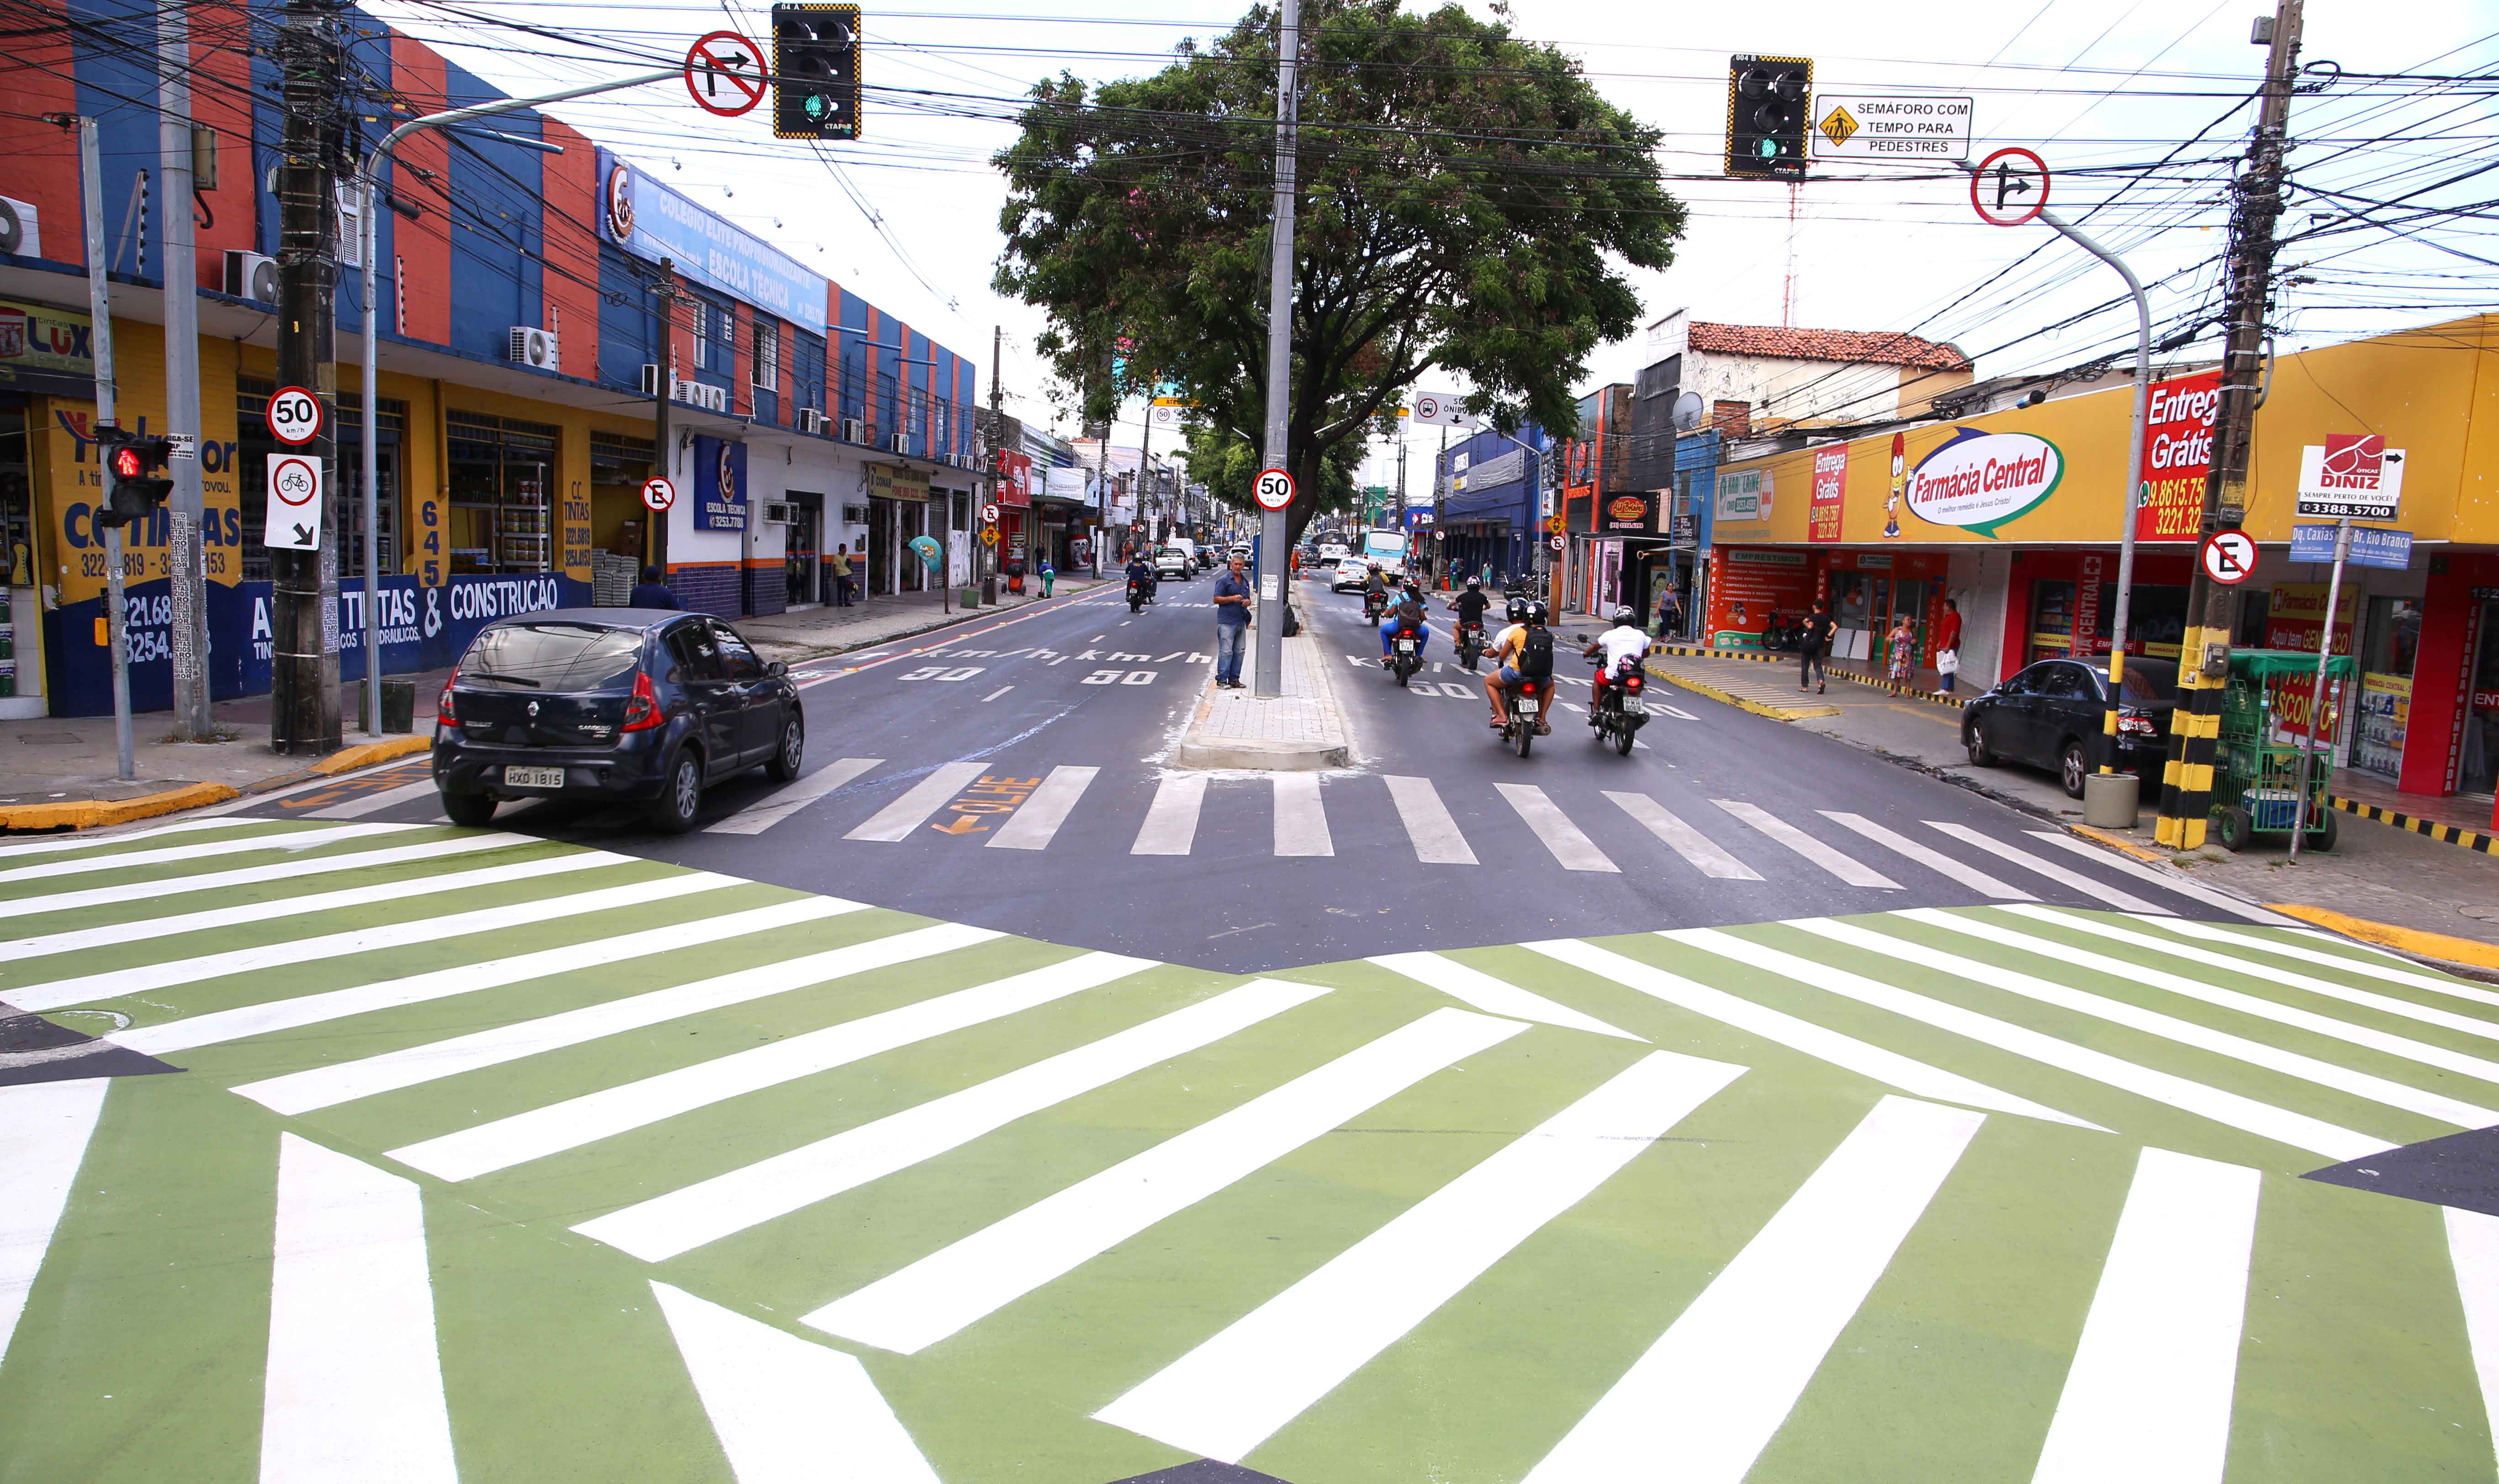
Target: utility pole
[[2204, 652], [1267, 672], [186, 558], [100, 309], [663, 456], [304, 687], [999, 463]]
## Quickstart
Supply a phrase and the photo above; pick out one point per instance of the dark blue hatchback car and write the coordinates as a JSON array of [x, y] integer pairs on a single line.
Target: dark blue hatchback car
[[628, 704]]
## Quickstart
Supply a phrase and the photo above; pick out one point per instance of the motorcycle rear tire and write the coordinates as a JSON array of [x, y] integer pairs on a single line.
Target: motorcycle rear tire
[[1136, 606], [1401, 673], [1522, 735], [1623, 741]]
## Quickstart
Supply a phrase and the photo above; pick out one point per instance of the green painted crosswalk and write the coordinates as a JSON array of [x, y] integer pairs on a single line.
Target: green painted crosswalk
[[518, 1161]]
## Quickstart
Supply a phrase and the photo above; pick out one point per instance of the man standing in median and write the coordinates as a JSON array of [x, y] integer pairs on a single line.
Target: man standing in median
[[1231, 624]]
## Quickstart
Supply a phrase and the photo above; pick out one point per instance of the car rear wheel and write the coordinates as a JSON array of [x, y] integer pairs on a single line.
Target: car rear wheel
[[680, 798], [469, 810], [793, 751]]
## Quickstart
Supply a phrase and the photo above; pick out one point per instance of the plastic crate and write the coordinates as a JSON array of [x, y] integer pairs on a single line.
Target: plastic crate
[[2271, 808]]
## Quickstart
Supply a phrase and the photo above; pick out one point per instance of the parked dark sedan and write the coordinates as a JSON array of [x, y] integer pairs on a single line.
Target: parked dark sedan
[[634, 704], [2049, 714]]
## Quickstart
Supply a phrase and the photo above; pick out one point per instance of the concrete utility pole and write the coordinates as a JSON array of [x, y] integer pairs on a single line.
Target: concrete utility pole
[[1267, 673], [999, 463], [664, 458], [303, 684], [186, 558], [2205, 652]]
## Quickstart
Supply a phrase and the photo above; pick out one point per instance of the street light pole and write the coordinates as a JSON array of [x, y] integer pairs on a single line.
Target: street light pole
[[1268, 673]]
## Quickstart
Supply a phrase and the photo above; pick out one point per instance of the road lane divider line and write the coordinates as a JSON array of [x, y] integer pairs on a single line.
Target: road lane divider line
[[278, 840], [2150, 1390], [705, 1212], [2096, 890], [1301, 819], [969, 1279], [1170, 820], [2229, 1108], [1847, 868], [1470, 986], [1698, 850], [1716, 1387], [1429, 825], [2168, 881], [253, 876], [113, 984], [2152, 1023], [45, 1128], [1571, 846], [118, 934], [900, 820], [2472, 1250], [1236, 1390], [270, 1015], [786, 1410], [354, 1375], [1934, 860], [765, 813], [1037, 820], [1844, 1051]]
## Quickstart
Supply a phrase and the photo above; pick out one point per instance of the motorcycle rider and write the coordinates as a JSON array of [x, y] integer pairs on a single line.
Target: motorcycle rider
[[1470, 606], [1407, 614], [1374, 590], [1525, 646], [1626, 643], [1141, 575]]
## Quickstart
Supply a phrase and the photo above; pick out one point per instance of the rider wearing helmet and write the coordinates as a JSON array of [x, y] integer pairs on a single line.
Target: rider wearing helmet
[[1618, 647], [1406, 612], [1512, 661]]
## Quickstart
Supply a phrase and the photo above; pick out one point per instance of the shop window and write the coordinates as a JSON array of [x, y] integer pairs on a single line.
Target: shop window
[[715, 336], [2385, 713], [618, 465], [2477, 760], [502, 475]]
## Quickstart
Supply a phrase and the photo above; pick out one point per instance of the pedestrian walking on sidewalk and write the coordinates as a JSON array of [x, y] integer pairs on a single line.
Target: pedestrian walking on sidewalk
[[1048, 572], [1812, 645], [1948, 649], [652, 592], [842, 575], [1902, 642], [1232, 624]]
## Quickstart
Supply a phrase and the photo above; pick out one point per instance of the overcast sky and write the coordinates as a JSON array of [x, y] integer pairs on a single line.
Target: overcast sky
[[2102, 89]]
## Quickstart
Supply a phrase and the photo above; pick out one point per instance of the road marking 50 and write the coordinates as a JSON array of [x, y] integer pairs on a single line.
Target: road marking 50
[[1120, 678]]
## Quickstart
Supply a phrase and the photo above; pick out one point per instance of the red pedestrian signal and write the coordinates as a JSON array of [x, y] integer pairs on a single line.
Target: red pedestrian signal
[[130, 489]]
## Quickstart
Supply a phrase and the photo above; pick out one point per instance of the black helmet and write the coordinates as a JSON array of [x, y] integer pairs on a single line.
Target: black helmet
[[1625, 616], [1517, 610], [1475, 584], [1535, 613]]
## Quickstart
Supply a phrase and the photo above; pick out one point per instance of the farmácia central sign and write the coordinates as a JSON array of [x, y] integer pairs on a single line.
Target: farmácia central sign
[[1980, 480]]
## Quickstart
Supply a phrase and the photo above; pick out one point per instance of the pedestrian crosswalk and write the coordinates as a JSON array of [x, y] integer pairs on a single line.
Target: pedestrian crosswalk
[[2002, 1190]]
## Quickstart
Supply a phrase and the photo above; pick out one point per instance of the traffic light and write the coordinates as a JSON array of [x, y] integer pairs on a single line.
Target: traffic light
[[815, 72], [130, 489], [1766, 98]]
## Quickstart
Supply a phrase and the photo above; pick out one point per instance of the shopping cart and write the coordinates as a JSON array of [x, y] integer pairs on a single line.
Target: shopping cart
[[2266, 726]]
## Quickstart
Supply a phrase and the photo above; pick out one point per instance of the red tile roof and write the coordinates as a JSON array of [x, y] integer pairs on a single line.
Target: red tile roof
[[1882, 347]]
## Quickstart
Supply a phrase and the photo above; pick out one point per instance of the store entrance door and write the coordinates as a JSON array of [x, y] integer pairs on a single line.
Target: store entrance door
[[802, 560], [2478, 761]]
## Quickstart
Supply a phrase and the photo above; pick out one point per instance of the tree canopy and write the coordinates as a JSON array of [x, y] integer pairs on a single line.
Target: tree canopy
[[1464, 202]]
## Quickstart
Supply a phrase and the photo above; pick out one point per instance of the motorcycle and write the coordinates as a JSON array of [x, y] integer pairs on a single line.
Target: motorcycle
[[1406, 655], [1782, 631], [1471, 639], [1619, 711], [1136, 596], [1526, 706], [1374, 605]]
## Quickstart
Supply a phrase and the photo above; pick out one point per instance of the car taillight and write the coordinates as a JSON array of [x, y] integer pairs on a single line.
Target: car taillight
[[2138, 726], [642, 707], [443, 712]]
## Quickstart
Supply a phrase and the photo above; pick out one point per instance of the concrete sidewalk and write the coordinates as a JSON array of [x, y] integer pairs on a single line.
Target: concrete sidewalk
[[1303, 729], [830, 630]]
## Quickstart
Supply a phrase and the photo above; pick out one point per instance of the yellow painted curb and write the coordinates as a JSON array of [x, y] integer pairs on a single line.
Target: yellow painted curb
[[366, 755], [2409, 940], [2120, 844], [1742, 704], [91, 813]]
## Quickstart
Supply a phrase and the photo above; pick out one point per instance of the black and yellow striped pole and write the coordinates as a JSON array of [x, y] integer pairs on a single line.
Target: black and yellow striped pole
[[2212, 608]]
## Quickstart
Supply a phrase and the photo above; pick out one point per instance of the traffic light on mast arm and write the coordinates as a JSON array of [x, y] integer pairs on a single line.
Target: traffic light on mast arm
[[130, 489], [815, 72], [1766, 99]]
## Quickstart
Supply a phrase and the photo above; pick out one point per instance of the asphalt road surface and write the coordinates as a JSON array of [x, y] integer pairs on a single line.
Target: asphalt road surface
[[1009, 773]]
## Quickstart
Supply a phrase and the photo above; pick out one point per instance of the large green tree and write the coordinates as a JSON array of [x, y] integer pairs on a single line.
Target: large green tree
[[1466, 203]]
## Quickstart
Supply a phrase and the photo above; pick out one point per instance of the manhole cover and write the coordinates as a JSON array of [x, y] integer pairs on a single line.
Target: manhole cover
[[2482, 912], [49, 738]]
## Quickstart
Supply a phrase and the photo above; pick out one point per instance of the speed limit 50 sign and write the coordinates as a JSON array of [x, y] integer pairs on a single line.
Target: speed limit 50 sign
[[1272, 490]]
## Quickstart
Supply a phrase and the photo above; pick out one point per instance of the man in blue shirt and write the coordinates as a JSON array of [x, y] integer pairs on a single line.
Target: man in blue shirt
[[652, 592], [1231, 624]]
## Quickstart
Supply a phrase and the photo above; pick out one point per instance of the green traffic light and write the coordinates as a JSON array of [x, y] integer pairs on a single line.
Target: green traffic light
[[815, 106], [1770, 148]]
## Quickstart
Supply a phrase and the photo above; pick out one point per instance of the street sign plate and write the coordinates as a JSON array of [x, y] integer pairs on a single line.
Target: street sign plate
[[1553, 525], [2009, 187], [988, 536], [1272, 488], [2230, 557], [294, 416], [725, 74], [658, 494], [294, 519], [2371, 546], [1561, 543], [1847, 126], [2350, 476], [989, 515]]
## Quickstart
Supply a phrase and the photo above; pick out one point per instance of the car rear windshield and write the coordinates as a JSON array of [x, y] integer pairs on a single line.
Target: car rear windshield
[[553, 657], [2148, 682]]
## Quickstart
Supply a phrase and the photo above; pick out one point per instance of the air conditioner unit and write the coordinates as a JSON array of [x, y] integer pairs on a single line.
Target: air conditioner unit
[[780, 512], [700, 393], [251, 275], [810, 420], [853, 430], [20, 228], [650, 378], [901, 443], [533, 347], [854, 515]]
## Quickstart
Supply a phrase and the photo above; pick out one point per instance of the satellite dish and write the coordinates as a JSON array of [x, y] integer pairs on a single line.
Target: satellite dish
[[1687, 412]]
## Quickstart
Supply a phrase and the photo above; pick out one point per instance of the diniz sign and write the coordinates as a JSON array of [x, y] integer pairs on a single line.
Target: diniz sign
[[2177, 457], [2352, 475], [1980, 481]]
